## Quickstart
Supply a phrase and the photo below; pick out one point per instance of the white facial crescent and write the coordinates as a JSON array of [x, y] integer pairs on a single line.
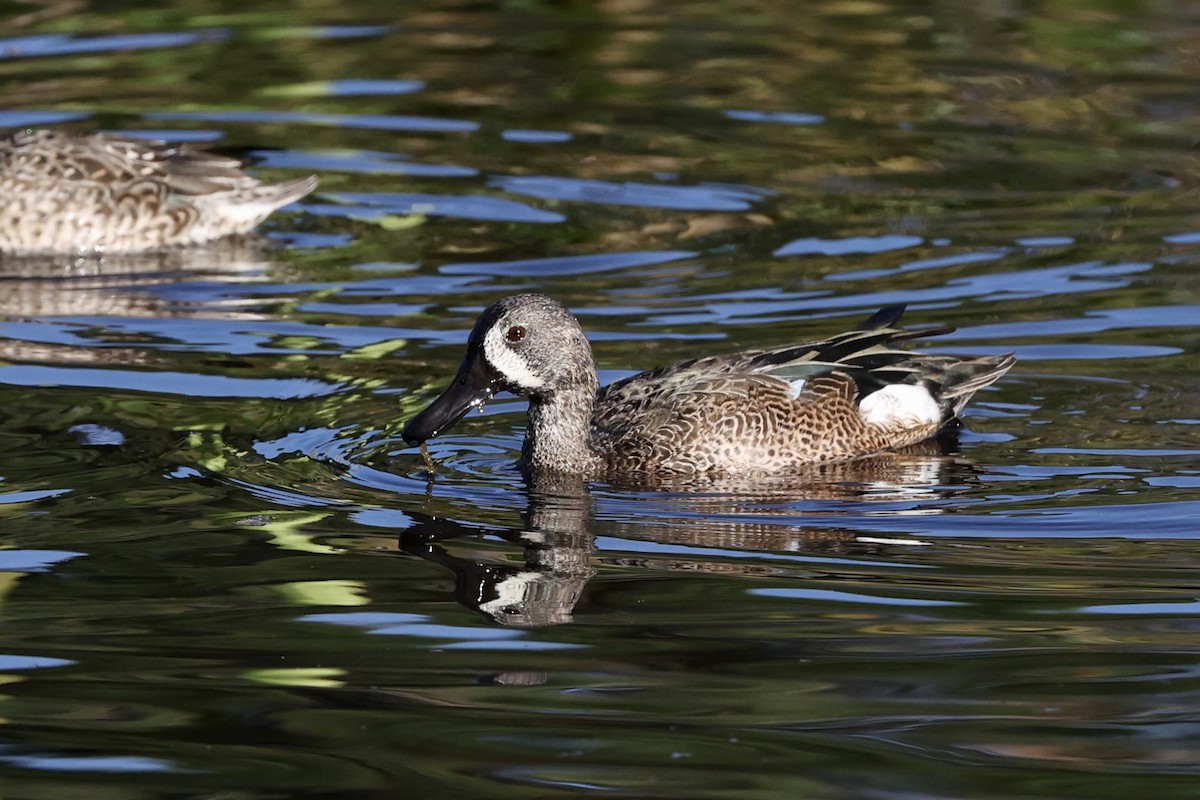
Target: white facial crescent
[[508, 362]]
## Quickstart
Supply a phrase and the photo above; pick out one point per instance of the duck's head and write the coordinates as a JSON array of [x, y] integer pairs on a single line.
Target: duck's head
[[527, 344]]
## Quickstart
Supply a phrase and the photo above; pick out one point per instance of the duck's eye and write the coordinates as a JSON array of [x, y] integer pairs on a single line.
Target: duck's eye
[[516, 333]]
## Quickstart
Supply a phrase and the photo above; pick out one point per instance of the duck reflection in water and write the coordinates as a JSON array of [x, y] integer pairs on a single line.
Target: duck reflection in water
[[558, 534], [543, 591]]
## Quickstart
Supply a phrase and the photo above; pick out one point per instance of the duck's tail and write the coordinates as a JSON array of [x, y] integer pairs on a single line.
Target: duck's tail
[[953, 381], [242, 209]]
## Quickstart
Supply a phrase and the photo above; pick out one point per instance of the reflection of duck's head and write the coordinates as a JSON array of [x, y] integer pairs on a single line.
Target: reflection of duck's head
[[534, 599], [543, 591], [755, 412]]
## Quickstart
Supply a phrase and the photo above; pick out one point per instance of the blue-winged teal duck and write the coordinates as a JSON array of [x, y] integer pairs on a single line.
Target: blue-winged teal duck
[[758, 411], [65, 193]]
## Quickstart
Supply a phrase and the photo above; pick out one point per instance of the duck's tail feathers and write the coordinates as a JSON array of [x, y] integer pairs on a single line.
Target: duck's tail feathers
[[279, 195], [953, 382]]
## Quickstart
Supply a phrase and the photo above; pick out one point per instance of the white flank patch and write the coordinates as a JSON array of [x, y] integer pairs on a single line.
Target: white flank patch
[[900, 404], [797, 386], [508, 362]]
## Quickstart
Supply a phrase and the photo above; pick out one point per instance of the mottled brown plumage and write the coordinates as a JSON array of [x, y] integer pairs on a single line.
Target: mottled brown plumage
[[63, 193], [761, 411]]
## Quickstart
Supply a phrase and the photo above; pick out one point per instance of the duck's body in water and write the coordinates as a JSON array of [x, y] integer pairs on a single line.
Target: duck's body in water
[[102, 193], [759, 411]]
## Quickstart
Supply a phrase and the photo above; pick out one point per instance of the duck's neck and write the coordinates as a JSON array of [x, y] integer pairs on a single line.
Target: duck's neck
[[558, 438]]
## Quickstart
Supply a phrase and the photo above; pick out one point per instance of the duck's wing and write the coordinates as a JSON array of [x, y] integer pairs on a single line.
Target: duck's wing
[[843, 368], [867, 355], [746, 422]]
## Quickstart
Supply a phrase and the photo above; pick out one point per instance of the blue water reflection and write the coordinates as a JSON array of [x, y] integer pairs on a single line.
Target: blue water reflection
[[64, 45], [644, 195]]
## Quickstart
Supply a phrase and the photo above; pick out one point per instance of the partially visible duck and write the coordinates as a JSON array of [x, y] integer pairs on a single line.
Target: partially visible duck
[[80, 194]]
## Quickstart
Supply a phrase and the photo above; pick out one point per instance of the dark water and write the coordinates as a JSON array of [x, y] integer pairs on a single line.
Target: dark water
[[222, 578]]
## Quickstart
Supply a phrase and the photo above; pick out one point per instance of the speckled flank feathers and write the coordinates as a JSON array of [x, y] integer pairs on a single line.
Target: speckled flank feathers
[[760, 411], [63, 193]]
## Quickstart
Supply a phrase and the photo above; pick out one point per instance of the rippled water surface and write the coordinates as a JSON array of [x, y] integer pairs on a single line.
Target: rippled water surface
[[224, 577]]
